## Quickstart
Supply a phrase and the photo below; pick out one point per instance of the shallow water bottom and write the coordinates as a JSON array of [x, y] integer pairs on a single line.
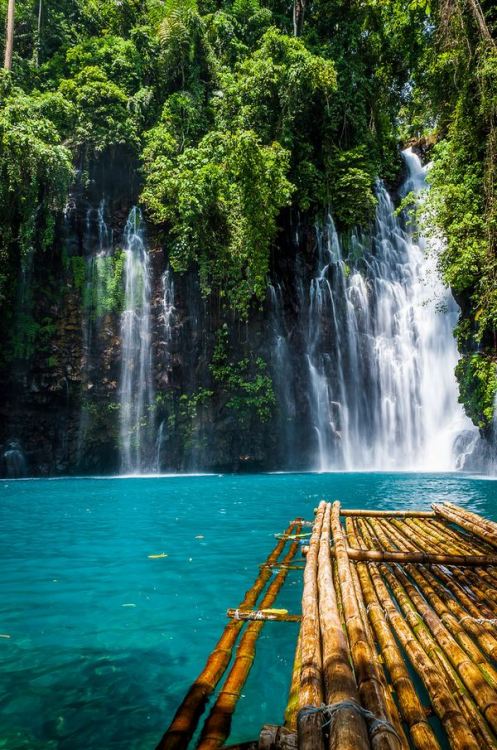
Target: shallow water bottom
[[99, 641]]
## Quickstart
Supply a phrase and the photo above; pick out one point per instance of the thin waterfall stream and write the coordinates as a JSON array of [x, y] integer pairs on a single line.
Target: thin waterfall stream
[[136, 387]]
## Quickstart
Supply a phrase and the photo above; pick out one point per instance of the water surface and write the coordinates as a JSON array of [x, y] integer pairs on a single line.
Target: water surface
[[104, 641]]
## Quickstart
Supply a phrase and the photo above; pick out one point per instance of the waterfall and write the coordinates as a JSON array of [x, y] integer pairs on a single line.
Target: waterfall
[[281, 366], [98, 247], [136, 388], [377, 345], [168, 318]]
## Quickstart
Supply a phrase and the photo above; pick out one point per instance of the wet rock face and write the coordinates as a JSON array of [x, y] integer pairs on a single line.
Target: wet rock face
[[62, 402]]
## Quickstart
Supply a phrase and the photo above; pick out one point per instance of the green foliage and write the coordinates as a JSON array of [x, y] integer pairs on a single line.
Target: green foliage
[[248, 387], [118, 58], [103, 118], [221, 200], [352, 198], [100, 280], [35, 171], [185, 421], [233, 120], [477, 377], [29, 336]]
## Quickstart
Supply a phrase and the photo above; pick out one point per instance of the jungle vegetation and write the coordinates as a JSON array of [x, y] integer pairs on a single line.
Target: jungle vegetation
[[237, 111]]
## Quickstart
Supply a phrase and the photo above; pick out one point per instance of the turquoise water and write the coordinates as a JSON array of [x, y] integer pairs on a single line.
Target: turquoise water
[[104, 641]]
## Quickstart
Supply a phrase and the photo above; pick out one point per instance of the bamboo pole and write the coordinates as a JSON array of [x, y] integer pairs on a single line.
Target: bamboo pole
[[464, 542], [460, 735], [475, 676], [449, 610], [461, 519], [311, 686], [292, 705], [410, 706], [371, 690], [459, 534], [428, 558], [475, 720], [345, 512], [453, 624], [454, 545], [487, 596], [218, 724], [275, 737], [348, 730], [469, 709], [472, 517], [182, 727], [377, 665], [463, 692]]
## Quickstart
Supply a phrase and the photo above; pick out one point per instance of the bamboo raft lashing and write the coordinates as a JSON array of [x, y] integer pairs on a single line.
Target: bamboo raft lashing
[[391, 600]]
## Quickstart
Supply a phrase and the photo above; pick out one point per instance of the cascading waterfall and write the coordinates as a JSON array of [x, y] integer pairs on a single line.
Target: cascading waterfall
[[136, 387], [378, 347]]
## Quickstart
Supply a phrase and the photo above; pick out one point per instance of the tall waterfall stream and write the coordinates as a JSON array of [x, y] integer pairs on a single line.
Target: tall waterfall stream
[[136, 387], [378, 352]]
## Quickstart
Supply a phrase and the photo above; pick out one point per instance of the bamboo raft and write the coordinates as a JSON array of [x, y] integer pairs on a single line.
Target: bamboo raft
[[397, 646]]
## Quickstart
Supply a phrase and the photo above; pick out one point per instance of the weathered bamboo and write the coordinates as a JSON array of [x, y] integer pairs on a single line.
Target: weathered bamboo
[[345, 512], [487, 596], [292, 705], [442, 622], [449, 531], [310, 736], [348, 730], [456, 598], [218, 724], [427, 558], [454, 722], [376, 664], [464, 543], [371, 690], [472, 517], [274, 737], [268, 615], [453, 540], [476, 677], [182, 727], [454, 678], [411, 709], [477, 609], [461, 519], [451, 613]]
